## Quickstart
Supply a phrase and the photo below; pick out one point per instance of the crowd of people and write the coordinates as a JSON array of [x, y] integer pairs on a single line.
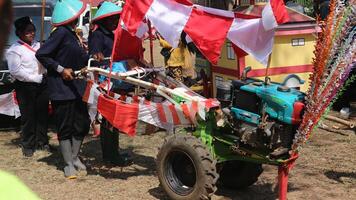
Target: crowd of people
[[44, 74]]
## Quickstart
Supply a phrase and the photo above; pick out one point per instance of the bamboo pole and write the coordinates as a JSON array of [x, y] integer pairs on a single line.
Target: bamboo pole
[[327, 128], [126, 77], [151, 40], [267, 68], [42, 21], [341, 121]]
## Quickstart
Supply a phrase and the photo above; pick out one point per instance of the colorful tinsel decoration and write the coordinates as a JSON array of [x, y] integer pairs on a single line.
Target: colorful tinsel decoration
[[335, 56]]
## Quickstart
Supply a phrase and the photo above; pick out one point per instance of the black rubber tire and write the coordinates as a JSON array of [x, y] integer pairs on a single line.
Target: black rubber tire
[[239, 174], [186, 168]]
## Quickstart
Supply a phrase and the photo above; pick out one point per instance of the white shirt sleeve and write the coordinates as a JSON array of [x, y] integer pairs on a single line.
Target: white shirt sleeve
[[14, 63]]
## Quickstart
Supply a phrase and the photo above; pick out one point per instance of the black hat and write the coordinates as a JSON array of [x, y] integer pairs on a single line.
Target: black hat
[[21, 23]]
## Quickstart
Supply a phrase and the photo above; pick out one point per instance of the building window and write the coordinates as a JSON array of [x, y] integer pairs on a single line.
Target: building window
[[218, 81], [230, 51], [298, 42], [260, 1]]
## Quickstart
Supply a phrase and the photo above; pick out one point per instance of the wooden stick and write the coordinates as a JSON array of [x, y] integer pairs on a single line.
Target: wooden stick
[[327, 128], [341, 121], [267, 68], [42, 21], [151, 40]]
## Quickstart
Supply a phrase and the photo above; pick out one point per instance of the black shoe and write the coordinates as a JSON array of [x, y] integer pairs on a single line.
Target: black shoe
[[27, 152]]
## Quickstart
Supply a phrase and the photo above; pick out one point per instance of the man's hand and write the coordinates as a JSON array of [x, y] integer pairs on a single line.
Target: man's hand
[[84, 72], [67, 74], [98, 56]]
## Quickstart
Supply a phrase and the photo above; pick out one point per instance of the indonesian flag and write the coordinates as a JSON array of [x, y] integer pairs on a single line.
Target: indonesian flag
[[126, 46], [273, 14], [208, 28]]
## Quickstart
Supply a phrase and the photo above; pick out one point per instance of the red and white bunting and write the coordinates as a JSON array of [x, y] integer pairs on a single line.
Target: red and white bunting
[[124, 111], [207, 27]]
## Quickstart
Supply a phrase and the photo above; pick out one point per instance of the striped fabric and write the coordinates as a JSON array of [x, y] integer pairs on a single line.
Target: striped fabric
[[164, 115]]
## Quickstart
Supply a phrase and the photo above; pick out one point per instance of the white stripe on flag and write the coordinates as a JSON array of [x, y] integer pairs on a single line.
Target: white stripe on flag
[[167, 113], [268, 18], [141, 100], [241, 32], [142, 29], [91, 97], [149, 114], [129, 99], [183, 120], [169, 18], [201, 109], [116, 96]]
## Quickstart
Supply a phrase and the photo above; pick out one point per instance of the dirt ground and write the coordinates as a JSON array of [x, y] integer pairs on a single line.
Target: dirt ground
[[325, 170]]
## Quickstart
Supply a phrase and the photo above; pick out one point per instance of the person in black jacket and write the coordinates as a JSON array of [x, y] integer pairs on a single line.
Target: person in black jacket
[[101, 42], [62, 54]]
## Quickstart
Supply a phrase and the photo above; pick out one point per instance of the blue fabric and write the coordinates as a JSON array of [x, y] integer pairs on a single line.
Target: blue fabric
[[63, 48], [118, 84]]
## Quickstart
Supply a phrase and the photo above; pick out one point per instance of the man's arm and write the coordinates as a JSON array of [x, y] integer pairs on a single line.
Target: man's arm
[[46, 53]]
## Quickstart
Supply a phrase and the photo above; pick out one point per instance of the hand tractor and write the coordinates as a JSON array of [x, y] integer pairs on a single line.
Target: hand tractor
[[230, 145], [258, 128]]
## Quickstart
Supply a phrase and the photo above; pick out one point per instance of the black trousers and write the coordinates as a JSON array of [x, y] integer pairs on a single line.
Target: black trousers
[[109, 139], [33, 104], [72, 119]]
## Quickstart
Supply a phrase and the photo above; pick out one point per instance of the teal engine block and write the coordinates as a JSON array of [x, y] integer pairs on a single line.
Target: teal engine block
[[265, 115]]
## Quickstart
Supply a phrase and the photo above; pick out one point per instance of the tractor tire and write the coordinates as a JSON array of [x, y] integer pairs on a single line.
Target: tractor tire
[[239, 174], [186, 168]]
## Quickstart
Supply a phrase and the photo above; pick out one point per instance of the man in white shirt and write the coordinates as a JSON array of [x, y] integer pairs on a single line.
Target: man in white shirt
[[30, 87]]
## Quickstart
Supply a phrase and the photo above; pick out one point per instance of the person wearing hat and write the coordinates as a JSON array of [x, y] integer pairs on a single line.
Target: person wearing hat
[[30, 87], [62, 54], [101, 42]]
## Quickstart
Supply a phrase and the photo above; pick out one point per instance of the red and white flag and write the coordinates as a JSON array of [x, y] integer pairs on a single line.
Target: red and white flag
[[126, 46], [208, 28], [273, 14], [208, 31]]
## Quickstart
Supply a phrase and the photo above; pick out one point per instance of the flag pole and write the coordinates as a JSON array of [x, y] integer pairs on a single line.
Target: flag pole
[[90, 11], [267, 68], [151, 40], [42, 21]]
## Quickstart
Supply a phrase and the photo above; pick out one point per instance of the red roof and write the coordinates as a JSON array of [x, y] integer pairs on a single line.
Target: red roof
[[295, 16]]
